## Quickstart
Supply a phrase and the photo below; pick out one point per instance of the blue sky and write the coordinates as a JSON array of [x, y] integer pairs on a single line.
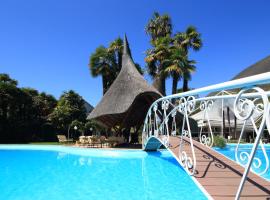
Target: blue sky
[[46, 44]]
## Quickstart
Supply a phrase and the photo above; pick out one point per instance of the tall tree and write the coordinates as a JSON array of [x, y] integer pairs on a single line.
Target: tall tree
[[5, 78], [46, 105], [175, 66], [70, 107], [157, 61], [101, 65], [190, 39], [23, 113], [159, 28], [9, 108], [107, 63], [116, 48]]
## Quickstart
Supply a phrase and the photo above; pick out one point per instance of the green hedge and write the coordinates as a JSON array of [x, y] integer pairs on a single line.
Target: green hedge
[[219, 141]]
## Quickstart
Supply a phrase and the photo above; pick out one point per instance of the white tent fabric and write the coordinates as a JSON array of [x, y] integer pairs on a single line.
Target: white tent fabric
[[215, 115]]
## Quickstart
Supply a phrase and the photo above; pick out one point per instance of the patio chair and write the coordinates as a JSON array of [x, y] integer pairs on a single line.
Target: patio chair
[[120, 140], [63, 139], [95, 141], [88, 141], [112, 141], [82, 141], [103, 141]]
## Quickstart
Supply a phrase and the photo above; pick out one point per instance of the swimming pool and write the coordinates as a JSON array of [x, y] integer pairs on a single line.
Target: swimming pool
[[229, 151], [67, 173]]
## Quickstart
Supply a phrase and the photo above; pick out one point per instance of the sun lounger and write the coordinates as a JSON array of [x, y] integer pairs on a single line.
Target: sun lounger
[[115, 140], [103, 141], [63, 139], [83, 141]]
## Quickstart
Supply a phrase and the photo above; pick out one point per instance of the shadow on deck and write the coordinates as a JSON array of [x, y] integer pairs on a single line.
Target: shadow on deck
[[217, 174]]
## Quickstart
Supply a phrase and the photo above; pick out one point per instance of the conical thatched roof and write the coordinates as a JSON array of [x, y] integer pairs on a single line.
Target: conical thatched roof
[[259, 67], [128, 99]]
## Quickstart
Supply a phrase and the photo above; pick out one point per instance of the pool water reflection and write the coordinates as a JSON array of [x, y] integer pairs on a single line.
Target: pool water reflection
[[63, 173]]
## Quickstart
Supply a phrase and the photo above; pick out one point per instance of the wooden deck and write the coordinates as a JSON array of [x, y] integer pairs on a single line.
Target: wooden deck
[[220, 176]]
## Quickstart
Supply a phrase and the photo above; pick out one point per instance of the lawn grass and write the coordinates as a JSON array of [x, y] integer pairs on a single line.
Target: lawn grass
[[45, 143]]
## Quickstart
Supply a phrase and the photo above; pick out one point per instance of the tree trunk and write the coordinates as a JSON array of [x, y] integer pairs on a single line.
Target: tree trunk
[[185, 85], [235, 126], [159, 84], [119, 60], [174, 84], [224, 125], [229, 120], [163, 81], [104, 84]]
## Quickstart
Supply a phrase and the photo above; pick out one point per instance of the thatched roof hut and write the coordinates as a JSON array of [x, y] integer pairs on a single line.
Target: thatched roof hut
[[126, 102]]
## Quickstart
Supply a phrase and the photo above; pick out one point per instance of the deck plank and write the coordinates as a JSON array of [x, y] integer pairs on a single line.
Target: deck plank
[[220, 176]]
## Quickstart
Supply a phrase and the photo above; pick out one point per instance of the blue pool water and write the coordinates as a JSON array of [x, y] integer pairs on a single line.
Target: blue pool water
[[229, 151], [30, 172]]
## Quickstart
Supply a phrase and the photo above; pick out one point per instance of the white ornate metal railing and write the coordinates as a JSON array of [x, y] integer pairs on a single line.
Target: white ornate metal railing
[[176, 114]]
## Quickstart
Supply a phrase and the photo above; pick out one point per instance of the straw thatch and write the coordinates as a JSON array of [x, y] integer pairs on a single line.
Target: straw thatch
[[126, 102]]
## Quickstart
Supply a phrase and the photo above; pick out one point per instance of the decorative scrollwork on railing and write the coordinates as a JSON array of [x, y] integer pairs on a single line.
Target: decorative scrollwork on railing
[[156, 119], [165, 105], [243, 107], [186, 160], [185, 133], [268, 119], [165, 140], [244, 157], [186, 107], [247, 110], [166, 134], [149, 125], [206, 105], [206, 139], [187, 104], [173, 133]]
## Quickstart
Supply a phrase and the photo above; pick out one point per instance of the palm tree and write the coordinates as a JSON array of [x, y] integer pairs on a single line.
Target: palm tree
[[116, 48], [175, 67], [159, 28], [101, 65], [189, 68], [107, 63], [190, 39], [157, 61]]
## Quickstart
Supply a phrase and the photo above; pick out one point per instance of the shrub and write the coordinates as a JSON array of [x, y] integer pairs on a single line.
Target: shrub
[[219, 141]]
